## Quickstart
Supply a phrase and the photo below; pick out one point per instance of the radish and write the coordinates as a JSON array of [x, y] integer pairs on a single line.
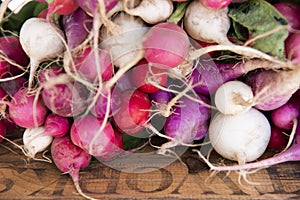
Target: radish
[[292, 47], [62, 7], [166, 45], [291, 154], [151, 11], [291, 12], [27, 109], [91, 5], [197, 17], [273, 89], [251, 137], [87, 66], [188, 122], [76, 26], [61, 94], [215, 4], [278, 139], [44, 43], [57, 126], [143, 71], [125, 42], [70, 159], [87, 133], [35, 141], [284, 116], [13, 86], [234, 97], [133, 113]]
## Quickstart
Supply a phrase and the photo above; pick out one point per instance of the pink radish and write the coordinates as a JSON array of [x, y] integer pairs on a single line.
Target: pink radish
[[57, 126]]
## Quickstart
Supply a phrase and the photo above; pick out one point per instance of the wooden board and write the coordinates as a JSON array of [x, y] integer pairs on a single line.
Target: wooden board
[[40, 180]]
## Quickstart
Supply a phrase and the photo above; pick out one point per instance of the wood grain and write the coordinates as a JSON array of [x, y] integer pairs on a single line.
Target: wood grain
[[142, 180]]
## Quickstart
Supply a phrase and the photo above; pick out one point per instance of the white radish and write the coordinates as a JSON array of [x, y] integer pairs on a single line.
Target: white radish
[[41, 41], [35, 141], [234, 97], [124, 45], [151, 11], [205, 24], [243, 137]]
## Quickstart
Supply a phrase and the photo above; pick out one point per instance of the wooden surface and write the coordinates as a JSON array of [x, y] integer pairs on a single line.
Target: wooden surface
[[40, 180]]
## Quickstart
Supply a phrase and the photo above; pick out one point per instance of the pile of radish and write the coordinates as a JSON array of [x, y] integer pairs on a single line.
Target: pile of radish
[[79, 76]]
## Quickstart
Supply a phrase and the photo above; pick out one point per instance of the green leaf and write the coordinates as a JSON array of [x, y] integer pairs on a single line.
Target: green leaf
[[179, 12], [259, 17]]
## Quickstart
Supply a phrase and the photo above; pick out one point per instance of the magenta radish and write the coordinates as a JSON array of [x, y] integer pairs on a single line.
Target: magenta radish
[[61, 94], [166, 44], [234, 97], [12, 86], [133, 113], [215, 4], [284, 116], [188, 122], [278, 139], [161, 98], [291, 12], [292, 47], [44, 43], [88, 67], [151, 11], [57, 126], [197, 17], [35, 140], [70, 159], [30, 105], [250, 138], [86, 133], [90, 6], [125, 43], [76, 26], [144, 75]]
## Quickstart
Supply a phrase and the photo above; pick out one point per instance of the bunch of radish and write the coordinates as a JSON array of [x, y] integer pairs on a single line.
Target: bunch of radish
[[82, 75]]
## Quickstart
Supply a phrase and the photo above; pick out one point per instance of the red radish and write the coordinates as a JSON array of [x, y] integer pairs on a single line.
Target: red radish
[[2, 130], [291, 12], [86, 133], [166, 44], [278, 139], [133, 112], [151, 11], [215, 4], [284, 116], [292, 47], [43, 14], [143, 73], [27, 110], [77, 26], [62, 7], [70, 159], [44, 43], [57, 126], [87, 66]]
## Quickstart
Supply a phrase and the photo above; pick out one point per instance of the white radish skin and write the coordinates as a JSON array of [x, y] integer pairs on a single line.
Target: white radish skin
[[234, 97], [35, 141], [243, 137], [41, 41], [151, 11], [126, 44], [207, 25]]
